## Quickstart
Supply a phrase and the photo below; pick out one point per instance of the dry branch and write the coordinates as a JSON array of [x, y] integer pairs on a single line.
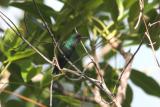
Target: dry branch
[[121, 92]]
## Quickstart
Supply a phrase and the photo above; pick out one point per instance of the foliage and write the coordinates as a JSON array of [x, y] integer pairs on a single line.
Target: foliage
[[99, 21]]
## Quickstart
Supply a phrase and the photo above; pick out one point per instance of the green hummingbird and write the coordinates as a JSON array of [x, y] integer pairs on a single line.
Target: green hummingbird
[[68, 48]]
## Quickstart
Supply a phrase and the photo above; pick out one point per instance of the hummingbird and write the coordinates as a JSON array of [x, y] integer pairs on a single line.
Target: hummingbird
[[68, 49]]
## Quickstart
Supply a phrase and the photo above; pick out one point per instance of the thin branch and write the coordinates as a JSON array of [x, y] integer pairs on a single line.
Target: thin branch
[[96, 66], [121, 91], [127, 69], [121, 84], [5, 68], [52, 35], [55, 43], [72, 71], [127, 64], [25, 23], [24, 98], [45, 23], [94, 81], [102, 84], [17, 32], [152, 24], [151, 43], [73, 95], [68, 61], [51, 91]]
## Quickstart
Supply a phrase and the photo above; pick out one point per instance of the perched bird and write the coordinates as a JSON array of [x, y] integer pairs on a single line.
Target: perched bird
[[68, 48]]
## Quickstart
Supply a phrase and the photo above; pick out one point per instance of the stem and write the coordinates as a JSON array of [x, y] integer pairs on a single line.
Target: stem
[[5, 68]]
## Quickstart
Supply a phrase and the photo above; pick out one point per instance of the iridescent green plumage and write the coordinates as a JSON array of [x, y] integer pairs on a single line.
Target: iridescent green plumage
[[70, 42]]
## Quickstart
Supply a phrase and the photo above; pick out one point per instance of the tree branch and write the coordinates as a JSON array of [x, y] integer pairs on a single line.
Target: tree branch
[[121, 92]]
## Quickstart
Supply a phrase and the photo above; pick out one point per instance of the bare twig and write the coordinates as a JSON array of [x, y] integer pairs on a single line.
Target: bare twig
[[51, 91], [147, 34], [25, 23], [45, 23], [121, 84], [152, 24], [68, 61], [3, 79], [94, 81], [96, 66], [128, 62], [102, 84], [5, 68], [129, 57], [17, 32], [52, 35], [73, 95], [24, 98], [56, 46], [121, 92]]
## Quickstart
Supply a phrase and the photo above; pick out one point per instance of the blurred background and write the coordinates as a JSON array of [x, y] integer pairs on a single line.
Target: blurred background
[[123, 13]]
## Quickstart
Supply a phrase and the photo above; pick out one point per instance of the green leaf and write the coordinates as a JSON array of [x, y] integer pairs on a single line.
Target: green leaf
[[15, 102], [135, 10], [128, 98], [15, 76], [110, 75], [9, 43], [111, 7], [21, 54], [128, 3], [92, 4], [150, 6], [154, 31], [33, 72], [69, 24], [47, 78], [30, 7], [4, 3], [146, 83], [29, 70], [133, 13]]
